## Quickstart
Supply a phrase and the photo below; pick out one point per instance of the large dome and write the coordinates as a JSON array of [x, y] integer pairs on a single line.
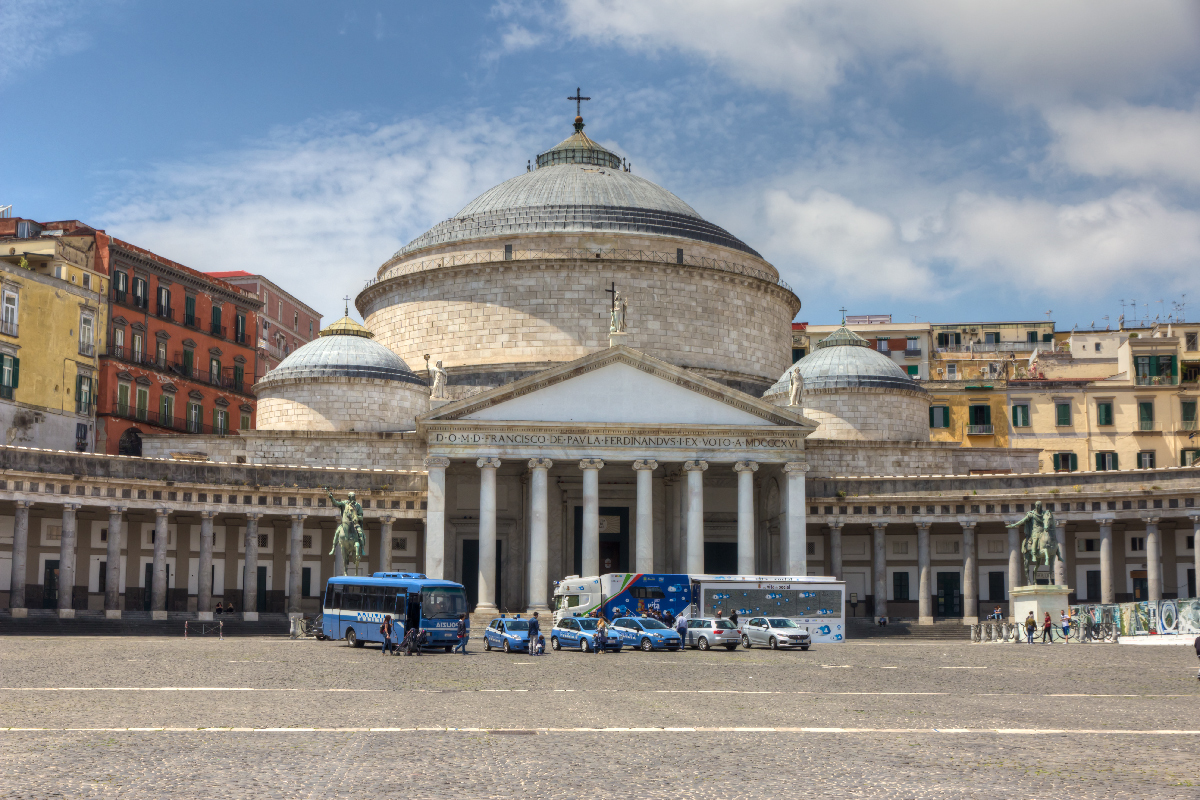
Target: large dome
[[578, 186]]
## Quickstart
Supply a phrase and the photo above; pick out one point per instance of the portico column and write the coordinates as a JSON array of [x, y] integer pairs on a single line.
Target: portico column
[[644, 560], [66, 561], [435, 517], [879, 566], [158, 591], [591, 515], [1195, 550], [970, 573], [835, 548], [539, 535], [20, 552], [204, 581], [1107, 593], [250, 571], [487, 533], [924, 587], [1015, 578], [1153, 561], [797, 519], [695, 515], [745, 515], [294, 565], [112, 567], [385, 544]]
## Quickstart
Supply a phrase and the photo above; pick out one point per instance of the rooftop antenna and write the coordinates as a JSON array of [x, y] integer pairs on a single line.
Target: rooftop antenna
[[1049, 311]]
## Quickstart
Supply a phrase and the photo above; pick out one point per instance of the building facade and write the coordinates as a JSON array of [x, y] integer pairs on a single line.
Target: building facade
[[286, 324]]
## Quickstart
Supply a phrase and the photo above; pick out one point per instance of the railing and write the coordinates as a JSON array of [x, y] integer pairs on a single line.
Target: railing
[[217, 330], [953, 348], [120, 296], [164, 312], [914, 352], [87, 349], [6, 392], [126, 411], [142, 359], [275, 352], [239, 337], [8, 328], [1157, 380], [85, 405], [980, 430], [1188, 425], [499, 256], [226, 380], [191, 321], [1014, 633], [1149, 425], [1007, 347]]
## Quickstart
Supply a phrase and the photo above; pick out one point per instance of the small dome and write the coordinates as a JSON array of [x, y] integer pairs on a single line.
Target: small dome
[[845, 360], [344, 349]]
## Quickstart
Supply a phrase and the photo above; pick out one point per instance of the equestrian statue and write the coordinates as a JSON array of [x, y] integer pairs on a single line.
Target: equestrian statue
[[349, 534], [1041, 545]]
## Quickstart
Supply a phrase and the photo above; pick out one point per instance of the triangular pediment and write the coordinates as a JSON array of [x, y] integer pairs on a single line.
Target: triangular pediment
[[619, 385]]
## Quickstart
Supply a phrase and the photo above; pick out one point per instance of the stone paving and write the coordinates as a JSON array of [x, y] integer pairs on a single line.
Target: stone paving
[[930, 720]]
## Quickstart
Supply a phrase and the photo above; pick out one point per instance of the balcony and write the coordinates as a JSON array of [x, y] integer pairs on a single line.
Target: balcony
[[1188, 425], [177, 424], [191, 321], [980, 430], [914, 352], [1157, 380], [6, 392], [1148, 426], [8, 327], [1008, 347], [139, 357], [164, 312], [85, 405], [227, 379], [120, 296], [217, 330], [240, 337], [87, 349]]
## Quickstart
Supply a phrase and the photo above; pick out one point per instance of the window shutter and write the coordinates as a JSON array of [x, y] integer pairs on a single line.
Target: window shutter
[[1074, 462], [1057, 462], [16, 372], [931, 416], [1016, 416], [1099, 462], [78, 388], [987, 415], [1114, 461]]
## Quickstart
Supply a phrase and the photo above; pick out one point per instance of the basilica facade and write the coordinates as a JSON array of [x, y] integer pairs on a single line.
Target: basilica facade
[[566, 441]]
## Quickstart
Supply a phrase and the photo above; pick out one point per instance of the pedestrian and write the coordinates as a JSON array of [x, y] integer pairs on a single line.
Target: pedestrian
[[218, 610], [1030, 627], [733, 617], [462, 634], [601, 638], [681, 629], [541, 646], [1065, 619], [669, 620], [386, 630], [718, 613], [1197, 645], [1047, 630], [535, 630]]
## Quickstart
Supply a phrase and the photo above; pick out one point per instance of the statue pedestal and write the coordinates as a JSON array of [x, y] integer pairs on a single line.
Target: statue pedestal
[[1041, 600], [615, 339]]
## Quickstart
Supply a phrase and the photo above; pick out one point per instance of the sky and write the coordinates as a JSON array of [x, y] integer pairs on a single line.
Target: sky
[[937, 160]]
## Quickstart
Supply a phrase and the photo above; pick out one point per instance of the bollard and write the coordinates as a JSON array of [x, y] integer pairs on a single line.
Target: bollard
[[185, 629], [221, 630]]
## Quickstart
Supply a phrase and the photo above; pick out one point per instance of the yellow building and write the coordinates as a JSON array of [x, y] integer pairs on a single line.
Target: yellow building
[[53, 314]]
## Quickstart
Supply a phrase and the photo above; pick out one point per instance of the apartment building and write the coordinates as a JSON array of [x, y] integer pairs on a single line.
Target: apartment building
[[286, 323]]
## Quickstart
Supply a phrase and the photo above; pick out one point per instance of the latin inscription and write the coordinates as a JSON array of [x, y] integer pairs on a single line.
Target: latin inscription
[[602, 440]]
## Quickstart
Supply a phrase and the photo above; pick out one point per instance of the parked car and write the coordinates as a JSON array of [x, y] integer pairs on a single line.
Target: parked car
[[706, 632], [508, 634], [580, 632], [774, 632], [646, 633]]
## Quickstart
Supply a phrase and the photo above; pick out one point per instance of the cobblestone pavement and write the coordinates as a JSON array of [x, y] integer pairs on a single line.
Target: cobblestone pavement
[[854, 720]]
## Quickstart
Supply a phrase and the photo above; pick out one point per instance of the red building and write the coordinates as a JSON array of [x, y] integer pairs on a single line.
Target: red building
[[180, 354], [286, 323]]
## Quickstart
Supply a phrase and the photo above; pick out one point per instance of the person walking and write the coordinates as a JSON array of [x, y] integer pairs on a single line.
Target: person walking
[[681, 629], [1030, 627], [535, 630], [1047, 630], [386, 630], [601, 635], [1197, 646], [461, 647], [1065, 619]]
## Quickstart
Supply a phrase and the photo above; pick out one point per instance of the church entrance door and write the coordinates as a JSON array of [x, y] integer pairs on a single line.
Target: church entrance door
[[614, 540], [949, 595], [470, 572]]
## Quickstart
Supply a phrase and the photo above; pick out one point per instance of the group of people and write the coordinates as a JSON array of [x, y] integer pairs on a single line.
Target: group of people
[[414, 638], [1031, 627]]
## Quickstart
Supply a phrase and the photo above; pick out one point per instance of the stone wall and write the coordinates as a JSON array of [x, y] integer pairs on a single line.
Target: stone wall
[[866, 414], [339, 404], [829, 457], [358, 450]]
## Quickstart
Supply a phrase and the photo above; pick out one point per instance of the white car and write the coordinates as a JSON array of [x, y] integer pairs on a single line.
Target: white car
[[774, 632]]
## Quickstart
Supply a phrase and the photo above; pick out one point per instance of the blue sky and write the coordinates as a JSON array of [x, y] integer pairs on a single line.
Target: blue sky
[[932, 158]]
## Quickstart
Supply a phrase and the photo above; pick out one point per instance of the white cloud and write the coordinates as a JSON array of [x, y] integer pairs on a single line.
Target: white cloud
[[36, 30], [1021, 50], [1128, 141], [316, 209]]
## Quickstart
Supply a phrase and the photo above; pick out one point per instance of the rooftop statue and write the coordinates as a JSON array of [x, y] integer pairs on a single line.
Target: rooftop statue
[[619, 309], [1040, 545], [796, 388], [440, 376], [349, 535]]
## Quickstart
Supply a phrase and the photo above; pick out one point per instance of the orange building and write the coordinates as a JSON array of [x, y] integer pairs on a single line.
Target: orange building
[[180, 352]]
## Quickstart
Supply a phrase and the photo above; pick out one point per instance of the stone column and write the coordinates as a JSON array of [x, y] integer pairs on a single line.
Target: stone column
[[644, 560], [797, 519], [591, 515], [924, 576], [1015, 578], [1108, 594], [250, 570], [66, 561], [1153, 560], [879, 566], [539, 535], [1060, 564], [295, 565], [158, 592], [204, 580], [695, 515], [385, 544], [1195, 550], [487, 534], [745, 515], [20, 552], [970, 574], [435, 517], [835, 548], [112, 567]]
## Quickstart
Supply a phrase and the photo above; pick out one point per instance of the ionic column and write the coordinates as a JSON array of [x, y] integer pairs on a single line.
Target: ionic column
[[591, 515], [297, 555], [1108, 594], [112, 568], [797, 518], [695, 515], [1153, 561], [1060, 564], [879, 567], [385, 544], [539, 534], [20, 552], [1195, 550], [204, 581], [66, 561], [644, 550], [435, 517], [250, 571], [745, 515], [924, 582], [970, 573], [835, 548], [1015, 578], [487, 533], [158, 591]]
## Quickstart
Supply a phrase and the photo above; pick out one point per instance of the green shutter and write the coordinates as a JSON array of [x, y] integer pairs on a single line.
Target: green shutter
[[1074, 462], [1116, 464], [987, 415], [187, 362], [78, 389], [1146, 412], [1016, 411], [1057, 462], [931, 415], [1174, 367], [1099, 462], [16, 373]]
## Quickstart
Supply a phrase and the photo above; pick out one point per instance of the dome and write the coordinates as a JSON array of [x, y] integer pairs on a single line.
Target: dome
[[576, 187], [845, 360], [344, 349]]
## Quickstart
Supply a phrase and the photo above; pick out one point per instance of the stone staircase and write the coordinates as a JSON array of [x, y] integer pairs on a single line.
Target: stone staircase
[[45, 622], [908, 630]]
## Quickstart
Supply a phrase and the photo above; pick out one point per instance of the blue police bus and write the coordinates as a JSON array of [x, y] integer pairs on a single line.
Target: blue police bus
[[354, 607]]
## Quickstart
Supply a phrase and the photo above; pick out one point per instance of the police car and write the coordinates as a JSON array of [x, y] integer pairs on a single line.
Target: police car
[[580, 632], [508, 634], [645, 632]]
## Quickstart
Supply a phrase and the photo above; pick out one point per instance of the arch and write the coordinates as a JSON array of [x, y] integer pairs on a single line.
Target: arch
[[130, 443]]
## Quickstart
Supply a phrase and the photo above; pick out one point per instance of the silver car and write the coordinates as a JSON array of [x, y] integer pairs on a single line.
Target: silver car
[[774, 632], [706, 632]]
